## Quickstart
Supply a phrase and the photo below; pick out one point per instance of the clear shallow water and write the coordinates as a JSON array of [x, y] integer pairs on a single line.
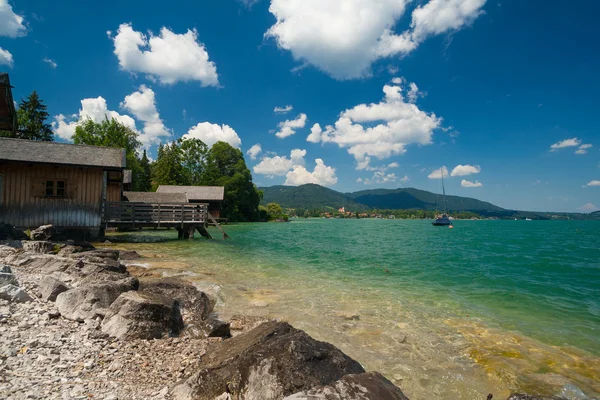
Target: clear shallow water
[[487, 307]]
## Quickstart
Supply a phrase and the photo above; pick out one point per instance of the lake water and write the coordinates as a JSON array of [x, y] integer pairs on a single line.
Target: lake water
[[486, 307]]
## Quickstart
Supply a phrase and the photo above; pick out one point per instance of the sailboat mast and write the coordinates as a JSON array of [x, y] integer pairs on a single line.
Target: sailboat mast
[[444, 192]]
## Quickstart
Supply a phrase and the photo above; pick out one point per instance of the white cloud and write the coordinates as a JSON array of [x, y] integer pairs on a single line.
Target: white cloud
[[588, 208], [11, 24], [283, 110], [400, 124], [92, 108], [279, 166], [469, 184], [574, 142], [437, 174], [142, 104], [51, 62], [344, 37], [464, 170], [381, 177], [6, 58], [254, 151], [213, 133], [321, 175], [414, 93], [288, 128], [393, 165], [315, 134], [593, 183], [405, 179], [583, 149], [170, 57]]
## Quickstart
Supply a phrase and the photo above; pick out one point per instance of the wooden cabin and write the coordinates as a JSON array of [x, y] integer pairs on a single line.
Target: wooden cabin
[[57, 183], [211, 195]]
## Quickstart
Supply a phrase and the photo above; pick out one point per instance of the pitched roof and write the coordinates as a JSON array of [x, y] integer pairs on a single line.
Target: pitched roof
[[61, 153], [196, 193], [153, 197]]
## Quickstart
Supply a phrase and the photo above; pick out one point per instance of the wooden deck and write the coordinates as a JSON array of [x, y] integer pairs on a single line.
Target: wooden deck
[[185, 217]]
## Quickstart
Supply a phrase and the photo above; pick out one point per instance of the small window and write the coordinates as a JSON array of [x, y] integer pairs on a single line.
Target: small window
[[55, 189]]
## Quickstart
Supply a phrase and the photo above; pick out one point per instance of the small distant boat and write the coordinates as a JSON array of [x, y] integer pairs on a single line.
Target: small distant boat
[[444, 219], [528, 219]]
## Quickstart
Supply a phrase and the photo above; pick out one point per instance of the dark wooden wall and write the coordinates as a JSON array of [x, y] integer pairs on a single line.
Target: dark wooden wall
[[23, 202]]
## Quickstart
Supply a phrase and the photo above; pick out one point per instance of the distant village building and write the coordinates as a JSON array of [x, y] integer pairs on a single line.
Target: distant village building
[[58, 183], [211, 195]]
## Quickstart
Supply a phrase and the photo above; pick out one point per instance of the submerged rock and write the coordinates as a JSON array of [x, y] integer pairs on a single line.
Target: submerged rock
[[270, 362], [519, 396], [51, 287], [14, 294], [91, 301], [367, 386], [136, 315], [128, 255], [44, 232]]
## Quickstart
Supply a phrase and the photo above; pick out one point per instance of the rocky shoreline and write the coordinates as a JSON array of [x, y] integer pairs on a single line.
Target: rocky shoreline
[[75, 323]]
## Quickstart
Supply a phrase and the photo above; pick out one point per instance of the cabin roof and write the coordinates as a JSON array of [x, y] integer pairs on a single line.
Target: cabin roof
[[155, 197], [196, 193], [61, 153], [8, 115]]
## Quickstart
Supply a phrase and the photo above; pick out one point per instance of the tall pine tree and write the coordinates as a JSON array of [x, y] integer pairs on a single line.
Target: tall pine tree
[[145, 184], [31, 117]]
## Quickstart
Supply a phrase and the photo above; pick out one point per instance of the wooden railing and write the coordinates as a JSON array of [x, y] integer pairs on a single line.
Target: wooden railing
[[157, 215]]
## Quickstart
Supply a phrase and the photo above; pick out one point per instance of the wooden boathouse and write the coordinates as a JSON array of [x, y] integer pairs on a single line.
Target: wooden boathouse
[[213, 196]]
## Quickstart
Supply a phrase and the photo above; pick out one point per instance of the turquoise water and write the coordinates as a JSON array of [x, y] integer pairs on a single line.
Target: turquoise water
[[503, 305]]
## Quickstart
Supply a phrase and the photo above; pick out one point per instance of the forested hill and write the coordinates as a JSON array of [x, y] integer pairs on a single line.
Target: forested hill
[[318, 197]]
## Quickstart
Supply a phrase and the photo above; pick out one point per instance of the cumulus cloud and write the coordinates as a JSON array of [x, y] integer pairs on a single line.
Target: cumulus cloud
[[574, 142], [254, 151], [437, 174], [593, 183], [51, 62], [381, 177], [11, 24], [464, 170], [344, 37], [213, 133], [170, 57], [288, 128], [469, 184], [392, 123], [279, 166], [283, 110], [588, 208], [95, 109], [583, 149], [6, 58], [315, 134], [321, 175], [142, 104]]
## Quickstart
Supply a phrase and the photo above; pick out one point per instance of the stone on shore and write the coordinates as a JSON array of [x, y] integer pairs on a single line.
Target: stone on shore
[[91, 301], [40, 247], [9, 232], [14, 294], [128, 255], [135, 315], [214, 327], [44, 232], [270, 362], [367, 386], [51, 287], [7, 278], [519, 396]]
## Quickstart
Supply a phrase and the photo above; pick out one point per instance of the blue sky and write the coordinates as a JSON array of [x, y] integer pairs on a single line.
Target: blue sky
[[485, 88]]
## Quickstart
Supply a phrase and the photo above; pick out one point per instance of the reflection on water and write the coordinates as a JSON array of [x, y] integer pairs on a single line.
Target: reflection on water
[[430, 344]]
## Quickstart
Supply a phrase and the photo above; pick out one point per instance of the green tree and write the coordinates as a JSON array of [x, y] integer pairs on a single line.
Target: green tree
[[193, 155], [145, 180], [168, 168], [225, 166], [31, 119], [112, 133]]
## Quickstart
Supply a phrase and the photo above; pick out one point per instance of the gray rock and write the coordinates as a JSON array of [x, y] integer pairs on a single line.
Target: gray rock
[[367, 386], [7, 278], [91, 301], [44, 232], [14, 294], [520, 396], [41, 247], [136, 315], [195, 306], [69, 250], [50, 288], [15, 244], [128, 255], [5, 269], [214, 327], [270, 362]]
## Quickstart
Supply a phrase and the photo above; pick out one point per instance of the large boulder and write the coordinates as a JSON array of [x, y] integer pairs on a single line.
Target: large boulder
[[14, 294], [91, 301], [51, 287], [42, 263], [136, 315], [270, 362], [9, 232], [41, 247], [195, 306], [44, 232], [367, 386]]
